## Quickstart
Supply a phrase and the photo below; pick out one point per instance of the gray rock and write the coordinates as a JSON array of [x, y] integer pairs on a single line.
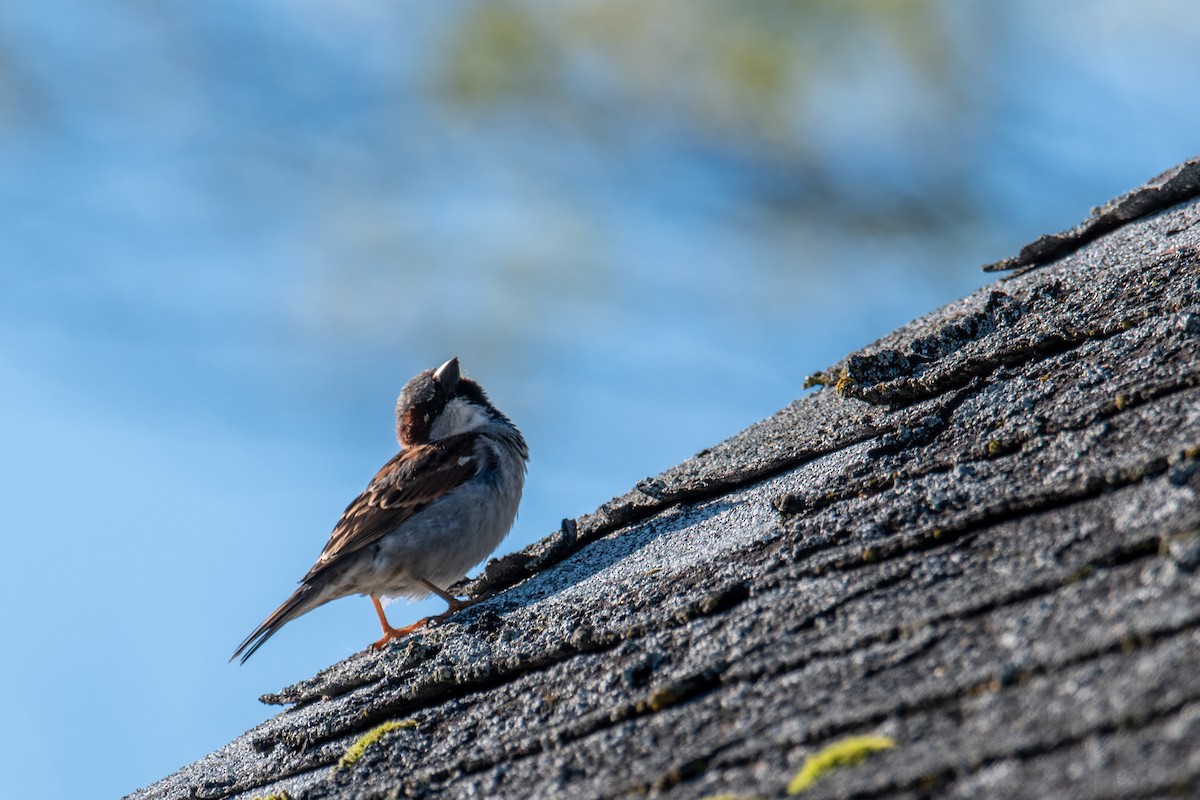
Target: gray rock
[[1174, 186], [979, 539]]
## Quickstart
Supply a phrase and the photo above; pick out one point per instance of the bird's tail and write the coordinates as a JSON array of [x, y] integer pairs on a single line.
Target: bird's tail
[[303, 600]]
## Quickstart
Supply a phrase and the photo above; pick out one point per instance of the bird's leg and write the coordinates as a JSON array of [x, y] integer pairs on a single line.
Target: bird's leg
[[455, 604], [389, 632]]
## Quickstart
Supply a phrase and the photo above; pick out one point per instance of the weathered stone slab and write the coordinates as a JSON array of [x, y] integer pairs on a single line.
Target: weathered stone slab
[[981, 539]]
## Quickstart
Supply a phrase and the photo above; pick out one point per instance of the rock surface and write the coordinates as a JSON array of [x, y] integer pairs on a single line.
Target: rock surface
[[981, 539]]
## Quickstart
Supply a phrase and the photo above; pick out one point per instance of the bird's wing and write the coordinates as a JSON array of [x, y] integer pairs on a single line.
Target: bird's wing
[[416, 477]]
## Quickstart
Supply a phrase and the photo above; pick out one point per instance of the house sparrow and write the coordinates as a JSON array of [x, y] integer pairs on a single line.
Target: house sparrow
[[434, 511]]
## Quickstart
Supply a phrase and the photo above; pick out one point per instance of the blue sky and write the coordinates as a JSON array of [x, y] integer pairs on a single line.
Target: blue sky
[[231, 231]]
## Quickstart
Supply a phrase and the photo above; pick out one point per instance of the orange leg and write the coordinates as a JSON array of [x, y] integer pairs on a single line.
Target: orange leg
[[389, 632], [455, 604]]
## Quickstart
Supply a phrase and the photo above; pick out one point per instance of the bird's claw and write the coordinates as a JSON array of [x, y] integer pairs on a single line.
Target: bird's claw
[[390, 633]]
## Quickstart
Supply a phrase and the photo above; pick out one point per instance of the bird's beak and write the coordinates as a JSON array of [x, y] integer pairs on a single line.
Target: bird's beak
[[447, 375]]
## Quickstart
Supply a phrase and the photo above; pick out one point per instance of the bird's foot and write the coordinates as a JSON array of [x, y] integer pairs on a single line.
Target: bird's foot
[[457, 605], [454, 603], [390, 633]]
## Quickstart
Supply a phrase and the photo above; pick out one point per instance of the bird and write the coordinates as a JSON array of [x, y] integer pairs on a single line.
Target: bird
[[440, 506]]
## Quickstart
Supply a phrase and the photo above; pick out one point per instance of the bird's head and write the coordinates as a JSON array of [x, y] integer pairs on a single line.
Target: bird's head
[[442, 402]]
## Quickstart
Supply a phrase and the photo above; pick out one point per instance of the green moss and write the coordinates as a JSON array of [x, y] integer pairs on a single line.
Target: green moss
[[1082, 573], [843, 753], [663, 698], [356, 750]]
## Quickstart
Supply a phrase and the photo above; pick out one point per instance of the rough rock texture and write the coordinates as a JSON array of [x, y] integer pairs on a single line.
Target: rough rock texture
[[1176, 185], [982, 540]]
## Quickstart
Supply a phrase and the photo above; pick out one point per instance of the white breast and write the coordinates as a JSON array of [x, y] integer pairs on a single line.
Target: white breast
[[459, 416], [448, 537]]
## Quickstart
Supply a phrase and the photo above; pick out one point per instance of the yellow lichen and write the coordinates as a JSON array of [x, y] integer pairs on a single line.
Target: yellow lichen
[[663, 698], [816, 379], [1121, 401], [843, 753], [356, 750]]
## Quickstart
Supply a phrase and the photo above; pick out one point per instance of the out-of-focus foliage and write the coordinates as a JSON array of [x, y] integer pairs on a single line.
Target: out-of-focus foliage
[[751, 77]]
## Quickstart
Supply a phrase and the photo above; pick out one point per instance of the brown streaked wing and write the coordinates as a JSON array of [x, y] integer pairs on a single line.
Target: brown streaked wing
[[413, 479]]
